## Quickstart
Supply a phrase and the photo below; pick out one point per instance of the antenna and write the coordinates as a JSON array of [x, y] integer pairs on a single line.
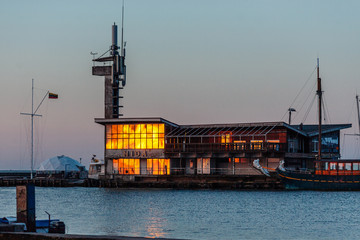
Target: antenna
[[122, 51], [122, 31], [115, 74]]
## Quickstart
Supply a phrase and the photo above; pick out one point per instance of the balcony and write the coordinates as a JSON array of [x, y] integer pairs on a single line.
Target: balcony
[[223, 147]]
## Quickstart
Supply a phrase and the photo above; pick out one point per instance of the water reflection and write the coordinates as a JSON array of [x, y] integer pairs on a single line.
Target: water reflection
[[155, 227]]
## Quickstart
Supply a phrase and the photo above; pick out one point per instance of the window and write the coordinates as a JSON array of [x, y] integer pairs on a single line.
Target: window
[[225, 137], [355, 166], [341, 166], [256, 144], [158, 166], [126, 166], [326, 166], [135, 136], [348, 166], [240, 144], [273, 144], [333, 166], [314, 145]]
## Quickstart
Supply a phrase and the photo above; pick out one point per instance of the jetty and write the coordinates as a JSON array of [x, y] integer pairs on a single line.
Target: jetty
[[161, 181]]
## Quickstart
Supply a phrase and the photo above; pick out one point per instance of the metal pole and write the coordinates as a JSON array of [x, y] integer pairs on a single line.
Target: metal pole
[[32, 127], [33, 114], [289, 116], [319, 93], [357, 104]]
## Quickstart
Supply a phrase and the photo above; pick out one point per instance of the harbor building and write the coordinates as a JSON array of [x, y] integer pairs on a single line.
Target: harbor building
[[155, 146]]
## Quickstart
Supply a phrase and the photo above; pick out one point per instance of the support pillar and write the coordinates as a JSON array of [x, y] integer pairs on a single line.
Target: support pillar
[[25, 206]]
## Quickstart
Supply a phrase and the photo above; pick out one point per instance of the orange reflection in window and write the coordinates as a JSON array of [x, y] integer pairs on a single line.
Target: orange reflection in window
[[256, 144], [226, 137], [158, 166], [126, 166], [135, 136]]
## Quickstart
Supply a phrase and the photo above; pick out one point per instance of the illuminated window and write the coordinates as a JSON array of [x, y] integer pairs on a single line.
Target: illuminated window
[[226, 137], [236, 160], [126, 166], [341, 166], [355, 166], [348, 166], [240, 144], [158, 166], [332, 166], [256, 144], [273, 144], [135, 136]]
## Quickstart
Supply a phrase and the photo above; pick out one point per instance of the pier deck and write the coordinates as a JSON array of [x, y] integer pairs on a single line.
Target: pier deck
[[174, 182]]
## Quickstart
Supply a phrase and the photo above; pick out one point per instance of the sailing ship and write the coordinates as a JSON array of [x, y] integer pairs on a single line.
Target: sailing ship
[[327, 174]]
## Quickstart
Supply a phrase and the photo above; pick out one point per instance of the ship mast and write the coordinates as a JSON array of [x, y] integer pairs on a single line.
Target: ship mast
[[32, 115], [358, 114], [319, 93]]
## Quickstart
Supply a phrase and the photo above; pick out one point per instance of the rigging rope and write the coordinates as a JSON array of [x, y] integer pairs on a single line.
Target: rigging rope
[[325, 110], [307, 98], [291, 105], [103, 54], [303, 87], [309, 109]]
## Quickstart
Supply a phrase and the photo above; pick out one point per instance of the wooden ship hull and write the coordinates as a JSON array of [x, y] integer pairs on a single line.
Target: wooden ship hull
[[313, 181]]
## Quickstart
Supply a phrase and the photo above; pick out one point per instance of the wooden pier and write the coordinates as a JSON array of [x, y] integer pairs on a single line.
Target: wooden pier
[[174, 182]]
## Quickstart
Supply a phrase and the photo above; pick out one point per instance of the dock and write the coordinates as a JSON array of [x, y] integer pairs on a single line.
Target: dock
[[165, 181]]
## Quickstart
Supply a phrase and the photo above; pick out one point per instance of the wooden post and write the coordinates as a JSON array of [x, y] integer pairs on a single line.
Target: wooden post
[[25, 206]]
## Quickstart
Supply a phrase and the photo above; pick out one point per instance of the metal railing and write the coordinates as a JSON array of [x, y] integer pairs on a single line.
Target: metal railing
[[224, 147], [243, 170]]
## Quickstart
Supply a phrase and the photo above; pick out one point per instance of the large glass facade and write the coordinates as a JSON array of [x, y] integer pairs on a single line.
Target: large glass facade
[[158, 166], [129, 166], [135, 136], [329, 143], [126, 166]]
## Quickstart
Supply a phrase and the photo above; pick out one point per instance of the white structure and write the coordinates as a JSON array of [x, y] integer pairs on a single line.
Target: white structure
[[62, 166], [96, 168]]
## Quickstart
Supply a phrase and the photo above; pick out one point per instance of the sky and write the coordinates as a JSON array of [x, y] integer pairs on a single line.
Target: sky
[[188, 61]]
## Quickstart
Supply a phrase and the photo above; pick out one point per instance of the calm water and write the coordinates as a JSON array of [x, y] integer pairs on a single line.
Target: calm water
[[198, 214]]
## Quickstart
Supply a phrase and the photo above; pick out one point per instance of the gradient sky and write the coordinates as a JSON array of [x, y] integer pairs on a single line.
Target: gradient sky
[[188, 61]]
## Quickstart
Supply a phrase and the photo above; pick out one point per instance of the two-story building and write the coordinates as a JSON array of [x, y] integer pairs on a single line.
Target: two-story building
[[155, 146]]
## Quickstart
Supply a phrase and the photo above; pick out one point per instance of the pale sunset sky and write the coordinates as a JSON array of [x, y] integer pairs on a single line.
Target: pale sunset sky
[[188, 61]]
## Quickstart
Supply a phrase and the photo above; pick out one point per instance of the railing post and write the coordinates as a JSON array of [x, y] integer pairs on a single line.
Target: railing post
[[233, 164]]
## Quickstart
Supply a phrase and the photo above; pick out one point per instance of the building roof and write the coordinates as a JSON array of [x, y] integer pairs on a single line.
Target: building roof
[[104, 121], [237, 129], [60, 163], [313, 130]]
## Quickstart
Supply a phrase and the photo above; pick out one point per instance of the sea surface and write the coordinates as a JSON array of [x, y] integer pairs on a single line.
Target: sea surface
[[197, 214]]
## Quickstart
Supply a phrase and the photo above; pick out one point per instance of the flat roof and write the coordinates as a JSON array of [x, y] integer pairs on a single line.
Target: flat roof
[[256, 128], [104, 121]]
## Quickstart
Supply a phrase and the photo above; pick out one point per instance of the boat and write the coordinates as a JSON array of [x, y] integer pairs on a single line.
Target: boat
[[96, 168], [328, 173], [42, 226]]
